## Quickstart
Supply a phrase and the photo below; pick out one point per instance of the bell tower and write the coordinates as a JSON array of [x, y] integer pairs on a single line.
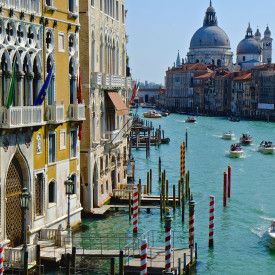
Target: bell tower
[[267, 46]]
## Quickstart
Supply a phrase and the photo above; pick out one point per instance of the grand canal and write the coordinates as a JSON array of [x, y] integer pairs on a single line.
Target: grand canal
[[241, 244]]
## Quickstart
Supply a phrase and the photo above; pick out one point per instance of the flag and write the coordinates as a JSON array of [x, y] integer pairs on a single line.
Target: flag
[[42, 94], [79, 100], [12, 88], [135, 92]]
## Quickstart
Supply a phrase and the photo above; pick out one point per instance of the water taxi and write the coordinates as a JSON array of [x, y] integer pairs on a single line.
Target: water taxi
[[152, 114], [227, 135], [271, 232], [236, 151], [190, 119], [246, 139], [267, 147]]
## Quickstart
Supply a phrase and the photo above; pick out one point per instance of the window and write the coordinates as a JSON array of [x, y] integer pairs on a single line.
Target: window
[[73, 144], [107, 161], [52, 192], [243, 58], [101, 5], [71, 5], [101, 163], [61, 41], [92, 3], [102, 189], [122, 14], [39, 194], [117, 11], [63, 139], [49, 2], [52, 148], [74, 178], [107, 186]]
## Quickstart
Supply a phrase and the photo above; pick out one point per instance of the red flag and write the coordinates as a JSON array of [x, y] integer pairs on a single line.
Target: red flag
[[79, 100], [134, 94]]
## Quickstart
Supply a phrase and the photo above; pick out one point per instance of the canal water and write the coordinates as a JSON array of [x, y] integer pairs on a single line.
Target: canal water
[[241, 242]]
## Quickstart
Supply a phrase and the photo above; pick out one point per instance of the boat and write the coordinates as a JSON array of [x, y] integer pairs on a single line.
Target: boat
[[233, 119], [152, 114], [190, 119], [227, 135], [267, 147], [246, 139], [236, 151], [271, 231], [165, 113]]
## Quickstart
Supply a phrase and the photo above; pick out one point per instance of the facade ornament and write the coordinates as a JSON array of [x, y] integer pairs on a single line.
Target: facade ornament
[[39, 144]]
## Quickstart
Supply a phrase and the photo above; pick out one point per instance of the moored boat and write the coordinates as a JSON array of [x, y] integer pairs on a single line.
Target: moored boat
[[246, 139], [236, 151], [190, 119], [227, 135], [152, 114], [233, 119], [271, 232], [267, 147]]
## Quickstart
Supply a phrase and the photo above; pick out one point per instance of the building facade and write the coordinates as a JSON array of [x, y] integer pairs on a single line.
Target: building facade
[[39, 144], [104, 148]]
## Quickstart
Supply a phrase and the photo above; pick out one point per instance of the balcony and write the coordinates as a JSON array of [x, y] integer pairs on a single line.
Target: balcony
[[21, 116], [128, 83], [96, 80], [55, 113], [77, 112], [114, 136]]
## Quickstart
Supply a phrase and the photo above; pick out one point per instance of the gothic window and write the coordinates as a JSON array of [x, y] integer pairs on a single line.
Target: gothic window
[[39, 144], [50, 93], [49, 41], [20, 34], [39, 194], [36, 79], [52, 192], [10, 31], [31, 36], [5, 78], [27, 85]]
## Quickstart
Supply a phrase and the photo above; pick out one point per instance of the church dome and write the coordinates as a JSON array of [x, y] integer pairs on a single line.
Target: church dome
[[267, 31], [249, 46], [209, 36]]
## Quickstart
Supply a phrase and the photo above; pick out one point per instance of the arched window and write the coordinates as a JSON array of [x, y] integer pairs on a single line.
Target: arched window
[[28, 78], [51, 95], [52, 192], [72, 76], [219, 63]]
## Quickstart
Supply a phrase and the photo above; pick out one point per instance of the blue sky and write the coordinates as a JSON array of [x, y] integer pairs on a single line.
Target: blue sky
[[157, 29]]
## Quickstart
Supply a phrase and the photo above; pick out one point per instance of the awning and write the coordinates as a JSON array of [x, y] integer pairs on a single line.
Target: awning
[[120, 106]]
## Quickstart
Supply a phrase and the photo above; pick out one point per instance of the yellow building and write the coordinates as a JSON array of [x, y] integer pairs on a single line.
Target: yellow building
[[39, 144], [104, 148]]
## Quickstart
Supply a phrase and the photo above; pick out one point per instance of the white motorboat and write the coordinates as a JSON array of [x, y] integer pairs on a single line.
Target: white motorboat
[[152, 114], [271, 232], [267, 147], [228, 135], [236, 151]]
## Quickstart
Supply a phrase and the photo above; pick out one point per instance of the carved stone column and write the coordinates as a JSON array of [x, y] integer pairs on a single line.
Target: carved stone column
[[20, 76]]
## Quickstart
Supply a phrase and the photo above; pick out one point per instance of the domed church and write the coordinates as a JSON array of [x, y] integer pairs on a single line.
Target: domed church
[[253, 51], [210, 44]]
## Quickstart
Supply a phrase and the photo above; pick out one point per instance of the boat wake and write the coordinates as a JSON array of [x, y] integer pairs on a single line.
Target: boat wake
[[259, 231], [266, 218]]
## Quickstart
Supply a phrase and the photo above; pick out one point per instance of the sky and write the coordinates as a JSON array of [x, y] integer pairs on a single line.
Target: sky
[[157, 29]]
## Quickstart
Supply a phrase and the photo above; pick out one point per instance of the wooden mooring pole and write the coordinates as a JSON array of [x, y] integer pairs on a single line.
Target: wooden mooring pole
[[113, 267], [159, 169], [150, 185], [174, 197], [121, 263], [38, 260]]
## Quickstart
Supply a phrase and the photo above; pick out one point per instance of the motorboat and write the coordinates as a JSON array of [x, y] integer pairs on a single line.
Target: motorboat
[[246, 139], [267, 147], [152, 114], [271, 231], [190, 119], [165, 113], [236, 151], [227, 135], [232, 119]]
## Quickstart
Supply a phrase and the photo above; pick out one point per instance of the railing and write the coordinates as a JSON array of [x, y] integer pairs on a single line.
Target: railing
[[114, 136], [21, 116], [22, 5], [96, 80], [77, 111], [128, 83], [56, 113], [14, 257], [106, 80]]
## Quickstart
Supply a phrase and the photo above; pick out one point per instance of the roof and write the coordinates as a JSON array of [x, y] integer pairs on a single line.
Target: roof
[[189, 67], [246, 76], [207, 75]]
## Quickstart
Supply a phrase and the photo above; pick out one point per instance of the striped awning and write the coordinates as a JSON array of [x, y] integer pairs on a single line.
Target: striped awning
[[120, 106]]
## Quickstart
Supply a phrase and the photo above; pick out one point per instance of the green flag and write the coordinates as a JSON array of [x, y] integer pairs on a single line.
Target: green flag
[[11, 92]]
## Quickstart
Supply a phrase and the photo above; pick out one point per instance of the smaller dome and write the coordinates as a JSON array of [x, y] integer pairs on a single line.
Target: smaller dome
[[210, 9], [257, 33], [249, 46], [267, 31]]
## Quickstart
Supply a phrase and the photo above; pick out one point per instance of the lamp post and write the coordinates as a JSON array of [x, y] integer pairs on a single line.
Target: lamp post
[[24, 203], [69, 186]]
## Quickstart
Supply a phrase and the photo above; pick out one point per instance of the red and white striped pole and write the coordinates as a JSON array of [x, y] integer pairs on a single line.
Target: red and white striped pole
[[1, 259], [135, 210], [168, 219], [224, 188], [211, 221], [191, 221], [229, 181], [143, 258]]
